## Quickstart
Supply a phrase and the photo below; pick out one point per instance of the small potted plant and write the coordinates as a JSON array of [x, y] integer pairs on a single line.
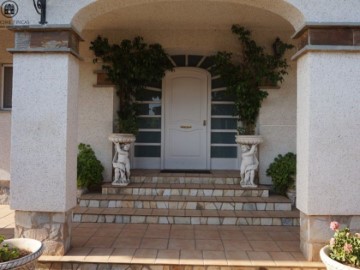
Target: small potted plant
[[343, 251], [283, 174], [19, 253], [89, 170]]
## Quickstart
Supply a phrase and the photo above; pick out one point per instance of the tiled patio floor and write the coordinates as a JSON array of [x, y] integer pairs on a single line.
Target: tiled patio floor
[[160, 244]]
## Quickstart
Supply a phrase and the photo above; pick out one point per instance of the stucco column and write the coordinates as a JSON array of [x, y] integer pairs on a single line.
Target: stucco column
[[44, 146], [328, 143]]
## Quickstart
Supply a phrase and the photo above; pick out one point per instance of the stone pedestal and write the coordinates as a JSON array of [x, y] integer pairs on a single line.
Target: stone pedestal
[[53, 229]]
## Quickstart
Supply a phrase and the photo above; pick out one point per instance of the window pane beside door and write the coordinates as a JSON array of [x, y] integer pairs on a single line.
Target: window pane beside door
[[7, 95]]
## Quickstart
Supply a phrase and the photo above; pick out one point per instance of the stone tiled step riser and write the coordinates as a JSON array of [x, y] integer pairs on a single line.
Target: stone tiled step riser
[[134, 219], [186, 180], [247, 206], [108, 266], [185, 192]]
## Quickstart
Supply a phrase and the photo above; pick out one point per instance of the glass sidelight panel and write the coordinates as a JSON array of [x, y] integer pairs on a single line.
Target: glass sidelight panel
[[149, 122], [148, 137], [223, 151], [223, 137], [223, 123], [148, 95], [149, 109], [222, 109], [147, 151]]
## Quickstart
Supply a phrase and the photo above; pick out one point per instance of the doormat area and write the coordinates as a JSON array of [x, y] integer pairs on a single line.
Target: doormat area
[[186, 171]]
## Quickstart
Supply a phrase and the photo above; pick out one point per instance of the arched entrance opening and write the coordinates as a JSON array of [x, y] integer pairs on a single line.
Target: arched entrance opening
[[188, 29]]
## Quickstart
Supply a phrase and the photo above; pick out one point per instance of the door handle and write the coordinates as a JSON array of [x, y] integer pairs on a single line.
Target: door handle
[[183, 126], [204, 123]]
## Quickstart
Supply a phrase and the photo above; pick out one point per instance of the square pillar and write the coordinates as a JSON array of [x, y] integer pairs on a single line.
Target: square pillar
[[44, 139], [328, 144]]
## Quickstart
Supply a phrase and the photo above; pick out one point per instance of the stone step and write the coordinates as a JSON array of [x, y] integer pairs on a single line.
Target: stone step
[[213, 177], [170, 216], [198, 190], [277, 203]]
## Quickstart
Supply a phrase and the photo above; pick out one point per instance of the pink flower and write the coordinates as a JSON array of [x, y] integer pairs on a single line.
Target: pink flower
[[332, 242], [348, 248], [334, 225]]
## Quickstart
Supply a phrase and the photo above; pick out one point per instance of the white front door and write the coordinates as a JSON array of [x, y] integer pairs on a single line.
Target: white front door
[[186, 117]]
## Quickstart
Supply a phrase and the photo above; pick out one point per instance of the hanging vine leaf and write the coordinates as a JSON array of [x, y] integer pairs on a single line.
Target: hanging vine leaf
[[243, 79], [131, 65]]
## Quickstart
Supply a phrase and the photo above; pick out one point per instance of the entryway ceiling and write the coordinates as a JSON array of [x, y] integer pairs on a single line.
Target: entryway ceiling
[[188, 15]]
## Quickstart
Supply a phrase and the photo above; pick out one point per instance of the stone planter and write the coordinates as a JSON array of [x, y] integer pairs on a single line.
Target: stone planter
[[249, 162], [332, 264], [27, 262], [121, 162]]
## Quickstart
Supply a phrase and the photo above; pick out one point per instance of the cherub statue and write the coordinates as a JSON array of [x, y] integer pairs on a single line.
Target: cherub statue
[[121, 164], [249, 164]]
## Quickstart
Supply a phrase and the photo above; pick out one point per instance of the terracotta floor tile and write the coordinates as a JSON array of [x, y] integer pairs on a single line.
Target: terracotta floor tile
[[258, 236], [144, 256], [264, 246], [127, 242], [238, 258], [239, 245], [122, 255], [283, 236], [79, 241], [289, 245], [232, 235], [100, 255], [214, 234], [132, 233], [216, 245], [168, 257], [157, 233], [182, 227], [298, 255], [206, 227], [259, 258], [214, 258], [154, 243], [282, 258], [106, 232], [136, 227], [84, 231], [100, 242], [78, 253], [182, 234], [158, 227], [191, 257], [181, 244]]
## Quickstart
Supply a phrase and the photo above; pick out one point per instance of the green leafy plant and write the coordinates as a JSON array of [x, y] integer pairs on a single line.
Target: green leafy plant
[[345, 246], [131, 66], [243, 79], [89, 168], [8, 253], [282, 172]]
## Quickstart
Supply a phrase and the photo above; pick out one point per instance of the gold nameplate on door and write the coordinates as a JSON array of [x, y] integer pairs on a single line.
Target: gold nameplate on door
[[186, 126]]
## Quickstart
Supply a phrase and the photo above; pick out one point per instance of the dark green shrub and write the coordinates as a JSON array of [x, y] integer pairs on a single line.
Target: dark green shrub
[[89, 168], [283, 172]]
